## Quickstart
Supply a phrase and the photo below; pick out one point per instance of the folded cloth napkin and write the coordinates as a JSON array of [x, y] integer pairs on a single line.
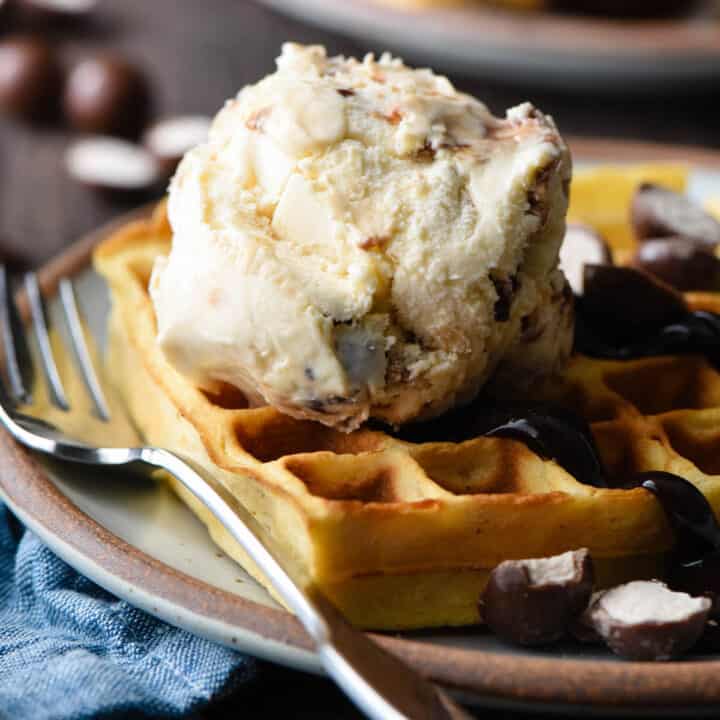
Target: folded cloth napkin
[[70, 650]]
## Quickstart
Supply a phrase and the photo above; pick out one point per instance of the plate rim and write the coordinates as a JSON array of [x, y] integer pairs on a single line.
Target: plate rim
[[511, 676], [571, 33], [642, 56]]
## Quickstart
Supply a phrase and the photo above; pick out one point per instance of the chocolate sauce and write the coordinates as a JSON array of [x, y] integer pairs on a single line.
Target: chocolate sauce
[[649, 319], [558, 434], [682, 262], [698, 332], [694, 564], [551, 432], [626, 313], [688, 512], [555, 434], [701, 577], [710, 640], [622, 304]]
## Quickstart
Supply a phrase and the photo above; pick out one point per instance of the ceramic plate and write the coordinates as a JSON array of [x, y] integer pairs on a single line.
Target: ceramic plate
[[544, 48], [138, 541]]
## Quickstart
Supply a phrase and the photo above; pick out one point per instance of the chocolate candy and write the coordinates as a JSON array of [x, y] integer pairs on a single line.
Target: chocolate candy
[[113, 165], [694, 564], [106, 95], [695, 332], [625, 303], [554, 433], [505, 287], [582, 246], [640, 620], [681, 262], [688, 511], [30, 78], [627, 313], [645, 620], [550, 431], [533, 602], [170, 138], [581, 627], [658, 212]]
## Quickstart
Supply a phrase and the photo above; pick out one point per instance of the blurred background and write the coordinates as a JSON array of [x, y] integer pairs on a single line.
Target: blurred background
[[651, 79]]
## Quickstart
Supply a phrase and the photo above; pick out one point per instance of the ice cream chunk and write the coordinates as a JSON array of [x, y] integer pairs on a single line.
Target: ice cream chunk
[[358, 238]]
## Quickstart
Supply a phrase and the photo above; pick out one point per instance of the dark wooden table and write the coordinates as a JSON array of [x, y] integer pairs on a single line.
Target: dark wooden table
[[198, 53]]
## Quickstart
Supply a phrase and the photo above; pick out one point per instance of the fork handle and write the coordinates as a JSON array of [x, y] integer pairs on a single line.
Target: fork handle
[[380, 684]]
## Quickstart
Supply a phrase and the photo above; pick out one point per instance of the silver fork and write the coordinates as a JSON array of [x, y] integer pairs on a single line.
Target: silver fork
[[382, 686]]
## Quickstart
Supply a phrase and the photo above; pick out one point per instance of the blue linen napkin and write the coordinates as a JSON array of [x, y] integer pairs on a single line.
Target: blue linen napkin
[[70, 650]]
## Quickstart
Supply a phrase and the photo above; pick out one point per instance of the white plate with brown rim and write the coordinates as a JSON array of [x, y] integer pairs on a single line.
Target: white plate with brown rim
[[138, 541]]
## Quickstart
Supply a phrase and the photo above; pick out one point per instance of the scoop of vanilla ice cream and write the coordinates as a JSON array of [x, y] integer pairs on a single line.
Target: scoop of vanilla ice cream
[[358, 238]]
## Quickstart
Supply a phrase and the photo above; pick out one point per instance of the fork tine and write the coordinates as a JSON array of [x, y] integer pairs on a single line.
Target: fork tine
[[37, 312], [14, 343], [82, 354]]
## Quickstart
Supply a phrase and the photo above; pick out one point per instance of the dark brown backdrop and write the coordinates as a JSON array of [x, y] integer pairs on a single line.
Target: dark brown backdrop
[[199, 52]]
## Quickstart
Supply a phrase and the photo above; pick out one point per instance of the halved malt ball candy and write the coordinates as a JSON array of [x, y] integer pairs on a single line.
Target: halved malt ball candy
[[601, 196], [533, 602], [107, 95], [645, 620], [112, 165], [30, 78], [582, 246]]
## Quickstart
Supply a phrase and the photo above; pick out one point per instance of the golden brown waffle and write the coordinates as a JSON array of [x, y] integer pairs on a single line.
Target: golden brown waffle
[[403, 535]]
